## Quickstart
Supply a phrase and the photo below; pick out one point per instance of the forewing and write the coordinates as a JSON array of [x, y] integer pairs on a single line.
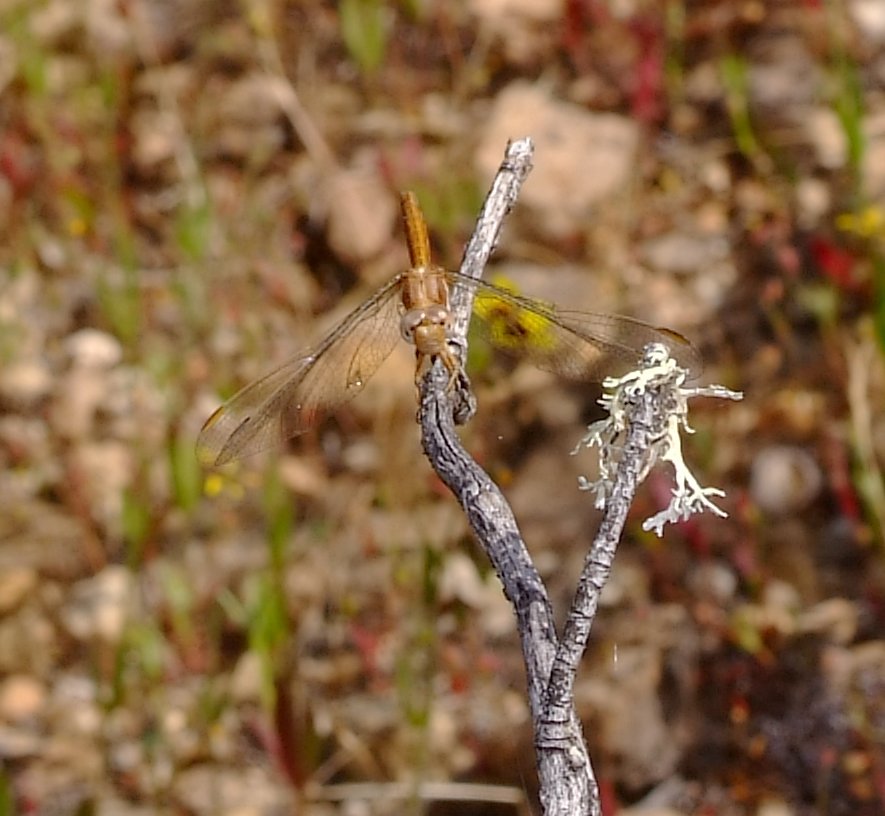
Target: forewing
[[287, 401], [576, 345]]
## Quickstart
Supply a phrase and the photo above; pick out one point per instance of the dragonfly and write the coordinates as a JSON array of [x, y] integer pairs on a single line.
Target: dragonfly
[[414, 306]]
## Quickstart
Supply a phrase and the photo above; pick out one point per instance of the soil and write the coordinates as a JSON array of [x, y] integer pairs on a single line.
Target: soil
[[192, 192]]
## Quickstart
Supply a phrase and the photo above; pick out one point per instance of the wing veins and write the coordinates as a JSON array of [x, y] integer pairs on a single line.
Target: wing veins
[[588, 338], [256, 416]]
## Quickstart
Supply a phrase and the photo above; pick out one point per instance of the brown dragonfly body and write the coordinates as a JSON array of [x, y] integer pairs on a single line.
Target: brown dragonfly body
[[414, 305], [426, 320]]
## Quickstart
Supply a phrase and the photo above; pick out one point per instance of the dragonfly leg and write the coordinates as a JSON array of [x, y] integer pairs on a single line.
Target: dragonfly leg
[[449, 360], [453, 364]]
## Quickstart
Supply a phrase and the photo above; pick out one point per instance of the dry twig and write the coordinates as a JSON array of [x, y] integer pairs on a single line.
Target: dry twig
[[567, 782]]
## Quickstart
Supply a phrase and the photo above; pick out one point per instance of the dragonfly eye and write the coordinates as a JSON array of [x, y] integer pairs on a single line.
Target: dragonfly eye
[[410, 321], [416, 319]]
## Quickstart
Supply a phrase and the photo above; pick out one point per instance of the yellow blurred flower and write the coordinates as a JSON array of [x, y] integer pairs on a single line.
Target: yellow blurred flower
[[216, 484], [867, 223]]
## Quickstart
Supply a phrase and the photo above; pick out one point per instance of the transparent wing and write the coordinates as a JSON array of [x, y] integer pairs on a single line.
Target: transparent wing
[[288, 401], [576, 345]]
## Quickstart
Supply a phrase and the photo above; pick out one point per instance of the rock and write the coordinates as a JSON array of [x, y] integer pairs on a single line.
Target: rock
[[775, 807], [80, 393], [627, 585], [525, 28], [247, 679], [714, 581], [18, 743], [38, 536], [110, 805], [827, 137], [24, 383], [53, 253], [28, 642], [460, 580], [783, 79], [869, 17], [105, 470], [835, 618], [581, 158], [651, 811], [202, 788], [680, 253], [361, 212], [873, 164], [784, 479], [8, 70], [76, 708], [248, 117], [53, 22], [814, 198], [22, 697], [156, 138], [630, 725], [255, 99], [497, 11], [100, 607], [92, 348], [16, 583], [109, 27], [303, 476]]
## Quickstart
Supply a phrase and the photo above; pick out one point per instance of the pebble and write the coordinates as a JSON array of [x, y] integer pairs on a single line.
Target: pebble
[[775, 807], [682, 253], [93, 349], [16, 584], [362, 220], [155, 138], [714, 581], [202, 788], [835, 618], [827, 137], [784, 479], [783, 78], [651, 811], [869, 17], [521, 26], [627, 585], [873, 163], [813, 201], [24, 383], [581, 158], [100, 607], [19, 744], [105, 470], [21, 697], [246, 680]]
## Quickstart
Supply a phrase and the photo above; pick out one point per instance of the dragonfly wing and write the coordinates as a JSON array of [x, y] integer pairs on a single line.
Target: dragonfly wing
[[623, 341], [252, 419], [287, 401], [576, 345]]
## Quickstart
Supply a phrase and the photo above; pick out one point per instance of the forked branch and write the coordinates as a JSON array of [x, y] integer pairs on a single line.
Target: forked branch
[[567, 782], [647, 411]]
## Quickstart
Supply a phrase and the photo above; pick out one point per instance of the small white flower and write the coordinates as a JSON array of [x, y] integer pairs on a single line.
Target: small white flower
[[659, 371]]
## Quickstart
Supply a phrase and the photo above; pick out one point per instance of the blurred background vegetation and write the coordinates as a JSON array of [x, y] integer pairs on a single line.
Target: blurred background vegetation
[[193, 190]]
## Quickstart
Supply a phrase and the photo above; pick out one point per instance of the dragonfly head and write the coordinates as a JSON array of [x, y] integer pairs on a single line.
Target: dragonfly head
[[427, 329]]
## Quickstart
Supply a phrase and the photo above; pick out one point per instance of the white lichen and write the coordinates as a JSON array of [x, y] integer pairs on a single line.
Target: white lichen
[[659, 371]]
